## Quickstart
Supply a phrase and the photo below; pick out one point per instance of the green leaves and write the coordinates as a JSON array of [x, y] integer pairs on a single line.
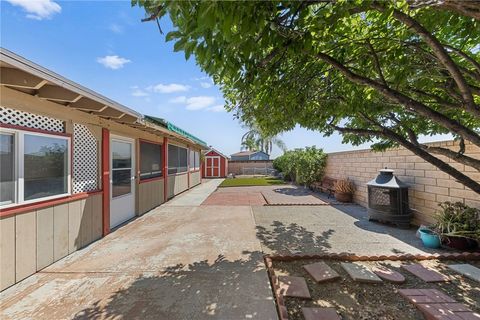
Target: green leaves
[[303, 166]]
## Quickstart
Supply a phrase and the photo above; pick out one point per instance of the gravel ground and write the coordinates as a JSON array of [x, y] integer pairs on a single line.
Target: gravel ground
[[361, 301]]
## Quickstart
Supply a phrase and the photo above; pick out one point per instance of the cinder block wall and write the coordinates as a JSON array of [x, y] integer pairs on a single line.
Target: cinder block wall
[[429, 186]]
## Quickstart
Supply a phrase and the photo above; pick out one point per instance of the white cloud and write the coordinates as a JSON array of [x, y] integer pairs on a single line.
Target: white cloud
[[116, 28], [205, 85], [137, 92], [200, 102], [180, 99], [169, 88], [113, 62], [38, 9], [217, 108]]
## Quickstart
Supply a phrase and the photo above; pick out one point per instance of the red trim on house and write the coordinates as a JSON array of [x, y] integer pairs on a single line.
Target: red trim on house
[[165, 168], [55, 133], [188, 167], [151, 179], [46, 203], [106, 181]]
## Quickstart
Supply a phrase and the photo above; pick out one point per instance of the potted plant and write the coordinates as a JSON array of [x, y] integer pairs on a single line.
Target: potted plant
[[344, 189], [430, 238], [458, 225]]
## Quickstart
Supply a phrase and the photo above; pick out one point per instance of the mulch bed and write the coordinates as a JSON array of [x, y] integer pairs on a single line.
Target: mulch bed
[[362, 301]]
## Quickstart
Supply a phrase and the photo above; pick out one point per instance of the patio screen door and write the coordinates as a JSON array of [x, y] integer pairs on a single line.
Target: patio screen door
[[122, 180]]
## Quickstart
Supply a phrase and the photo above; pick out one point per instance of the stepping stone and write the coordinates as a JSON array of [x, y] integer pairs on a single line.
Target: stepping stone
[[321, 272], [295, 287], [389, 275], [418, 296], [320, 314], [360, 273], [467, 270], [425, 274]]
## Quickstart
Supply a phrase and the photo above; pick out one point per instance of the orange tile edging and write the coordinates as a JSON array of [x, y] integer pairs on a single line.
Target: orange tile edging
[[280, 302]]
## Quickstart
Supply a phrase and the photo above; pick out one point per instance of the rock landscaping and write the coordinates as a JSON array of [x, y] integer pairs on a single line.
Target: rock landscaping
[[361, 288]]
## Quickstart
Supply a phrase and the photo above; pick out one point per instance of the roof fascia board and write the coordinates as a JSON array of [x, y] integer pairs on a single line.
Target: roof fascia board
[[41, 72]]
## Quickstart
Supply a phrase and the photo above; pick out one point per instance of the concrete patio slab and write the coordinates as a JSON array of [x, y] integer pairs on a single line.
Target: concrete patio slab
[[322, 229], [197, 195], [175, 262]]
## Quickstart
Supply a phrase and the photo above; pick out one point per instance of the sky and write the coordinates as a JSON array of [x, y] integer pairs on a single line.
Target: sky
[[104, 46]]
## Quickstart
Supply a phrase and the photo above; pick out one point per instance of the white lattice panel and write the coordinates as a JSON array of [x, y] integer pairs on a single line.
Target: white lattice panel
[[85, 159], [30, 120]]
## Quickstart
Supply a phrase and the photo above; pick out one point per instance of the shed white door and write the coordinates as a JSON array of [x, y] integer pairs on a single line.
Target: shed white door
[[212, 166], [122, 180]]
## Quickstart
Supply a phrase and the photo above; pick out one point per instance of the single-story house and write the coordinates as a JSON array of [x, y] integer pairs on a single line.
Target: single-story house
[[75, 165], [215, 164], [249, 156]]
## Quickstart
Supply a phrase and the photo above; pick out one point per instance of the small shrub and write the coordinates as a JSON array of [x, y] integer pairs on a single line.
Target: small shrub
[[303, 166], [458, 220]]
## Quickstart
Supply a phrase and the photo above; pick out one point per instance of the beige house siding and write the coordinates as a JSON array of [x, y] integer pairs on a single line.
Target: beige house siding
[[150, 195], [429, 186], [195, 178], [33, 240], [177, 184]]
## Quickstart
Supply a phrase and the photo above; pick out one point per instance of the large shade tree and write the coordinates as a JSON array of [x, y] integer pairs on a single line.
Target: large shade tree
[[375, 71]]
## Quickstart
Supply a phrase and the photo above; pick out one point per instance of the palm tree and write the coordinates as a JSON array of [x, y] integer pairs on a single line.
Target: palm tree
[[256, 139]]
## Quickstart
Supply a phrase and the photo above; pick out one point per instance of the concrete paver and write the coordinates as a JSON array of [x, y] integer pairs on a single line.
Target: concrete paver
[[295, 287], [320, 271], [467, 270], [360, 273], [389, 275], [426, 274]]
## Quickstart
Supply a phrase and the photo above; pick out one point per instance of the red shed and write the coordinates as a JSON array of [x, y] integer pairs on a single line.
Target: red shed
[[215, 164]]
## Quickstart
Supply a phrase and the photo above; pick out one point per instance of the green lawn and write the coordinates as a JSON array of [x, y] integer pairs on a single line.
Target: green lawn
[[256, 181]]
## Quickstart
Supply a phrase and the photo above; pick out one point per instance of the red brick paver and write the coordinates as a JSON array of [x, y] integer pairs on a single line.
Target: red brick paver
[[320, 314], [435, 304], [235, 199], [427, 275], [320, 271], [295, 287], [389, 275]]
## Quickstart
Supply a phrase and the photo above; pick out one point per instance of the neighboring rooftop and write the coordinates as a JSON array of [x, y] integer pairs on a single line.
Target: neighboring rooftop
[[246, 153]]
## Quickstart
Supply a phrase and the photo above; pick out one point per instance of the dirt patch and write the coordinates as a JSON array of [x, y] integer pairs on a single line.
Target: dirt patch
[[361, 301]]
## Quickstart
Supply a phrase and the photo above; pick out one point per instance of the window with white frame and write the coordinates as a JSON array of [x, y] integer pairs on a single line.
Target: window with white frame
[[194, 160], [34, 166]]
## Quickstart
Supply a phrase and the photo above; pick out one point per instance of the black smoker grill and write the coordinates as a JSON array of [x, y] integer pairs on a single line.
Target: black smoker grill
[[388, 200]]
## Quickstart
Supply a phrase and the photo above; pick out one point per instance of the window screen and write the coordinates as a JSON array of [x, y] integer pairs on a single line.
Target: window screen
[[177, 159], [150, 160]]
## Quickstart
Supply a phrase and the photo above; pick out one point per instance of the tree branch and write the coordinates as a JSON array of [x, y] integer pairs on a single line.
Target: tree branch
[[402, 99], [474, 62], [439, 51], [376, 62]]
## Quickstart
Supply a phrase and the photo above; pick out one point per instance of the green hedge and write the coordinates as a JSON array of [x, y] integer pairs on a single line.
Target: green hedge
[[304, 166]]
